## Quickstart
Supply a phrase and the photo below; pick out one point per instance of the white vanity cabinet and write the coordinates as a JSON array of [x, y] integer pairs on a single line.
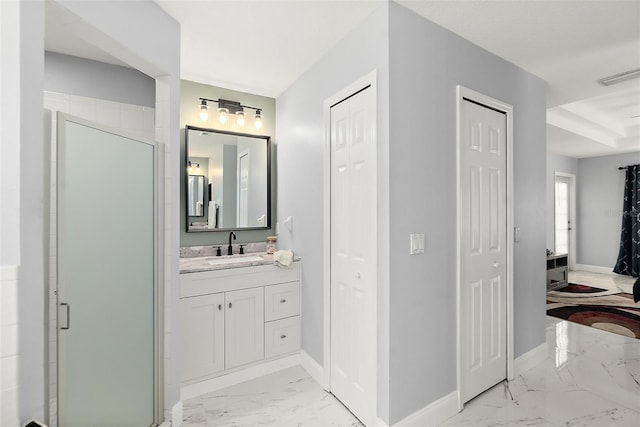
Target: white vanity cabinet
[[202, 335], [243, 327], [237, 317]]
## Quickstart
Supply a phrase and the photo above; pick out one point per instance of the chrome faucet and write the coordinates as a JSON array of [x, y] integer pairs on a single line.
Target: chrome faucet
[[230, 248]]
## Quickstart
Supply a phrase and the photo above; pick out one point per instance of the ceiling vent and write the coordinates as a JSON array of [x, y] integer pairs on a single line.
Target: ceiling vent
[[619, 78]]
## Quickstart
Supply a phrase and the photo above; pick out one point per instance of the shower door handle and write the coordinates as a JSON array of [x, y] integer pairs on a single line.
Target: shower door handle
[[66, 317]]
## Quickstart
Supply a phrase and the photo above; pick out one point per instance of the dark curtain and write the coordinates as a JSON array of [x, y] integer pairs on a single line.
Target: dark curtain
[[629, 256]]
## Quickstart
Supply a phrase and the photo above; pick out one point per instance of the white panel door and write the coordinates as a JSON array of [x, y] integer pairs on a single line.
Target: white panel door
[[244, 327], [483, 161], [354, 254], [202, 326]]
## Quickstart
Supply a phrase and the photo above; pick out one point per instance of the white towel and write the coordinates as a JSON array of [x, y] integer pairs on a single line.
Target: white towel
[[211, 220], [283, 258]]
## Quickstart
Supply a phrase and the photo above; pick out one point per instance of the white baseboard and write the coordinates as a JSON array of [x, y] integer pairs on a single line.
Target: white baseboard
[[233, 378], [433, 414], [177, 414], [595, 269], [530, 359], [313, 368]]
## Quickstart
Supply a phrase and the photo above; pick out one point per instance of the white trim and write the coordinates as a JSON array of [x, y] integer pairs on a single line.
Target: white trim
[[434, 413], [8, 272], [369, 79], [177, 413], [573, 248], [594, 269], [233, 378], [530, 359], [313, 368], [461, 93]]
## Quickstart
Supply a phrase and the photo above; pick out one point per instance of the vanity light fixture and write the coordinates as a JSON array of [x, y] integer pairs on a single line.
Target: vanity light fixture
[[204, 114], [223, 115], [226, 107], [258, 119], [189, 168], [240, 118]]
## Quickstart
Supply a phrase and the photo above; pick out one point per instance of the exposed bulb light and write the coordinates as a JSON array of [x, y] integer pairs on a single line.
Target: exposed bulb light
[[258, 119], [223, 117], [204, 114], [240, 118]]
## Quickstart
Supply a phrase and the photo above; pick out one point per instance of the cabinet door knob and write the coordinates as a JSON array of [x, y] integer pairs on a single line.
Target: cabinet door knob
[[282, 301], [230, 305], [283, 336], [219, 306], [357, 275]]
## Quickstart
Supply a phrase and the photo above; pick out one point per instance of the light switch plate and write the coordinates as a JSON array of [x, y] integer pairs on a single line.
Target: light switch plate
[[416, 244], [516, 234]]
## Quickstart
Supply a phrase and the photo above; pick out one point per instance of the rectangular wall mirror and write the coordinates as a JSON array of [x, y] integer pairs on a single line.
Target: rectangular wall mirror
[[228, 179]]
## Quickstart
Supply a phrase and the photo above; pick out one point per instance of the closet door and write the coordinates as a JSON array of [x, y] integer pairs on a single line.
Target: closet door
[[106, 259], [354, 254]]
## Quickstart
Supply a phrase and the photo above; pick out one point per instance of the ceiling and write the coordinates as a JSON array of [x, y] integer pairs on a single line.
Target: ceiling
[[263, 46]]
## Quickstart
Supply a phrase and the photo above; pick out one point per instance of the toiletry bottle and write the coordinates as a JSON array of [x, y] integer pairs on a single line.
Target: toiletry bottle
[[272, 244]]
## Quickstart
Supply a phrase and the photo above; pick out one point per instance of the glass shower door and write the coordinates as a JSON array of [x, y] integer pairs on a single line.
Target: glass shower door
[[106, 278]]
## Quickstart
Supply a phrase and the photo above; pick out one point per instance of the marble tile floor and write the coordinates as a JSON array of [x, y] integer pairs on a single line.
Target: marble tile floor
[[285, 398], [590, 378], [613, 282]]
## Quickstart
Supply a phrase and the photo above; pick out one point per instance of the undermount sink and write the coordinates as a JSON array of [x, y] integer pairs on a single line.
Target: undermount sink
[[235, 259]]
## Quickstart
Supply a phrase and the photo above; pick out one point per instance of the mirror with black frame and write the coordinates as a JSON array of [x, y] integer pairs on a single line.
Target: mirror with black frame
[[228, 180]]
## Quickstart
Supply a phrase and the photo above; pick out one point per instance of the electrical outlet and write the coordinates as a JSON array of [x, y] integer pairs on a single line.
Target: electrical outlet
[[416, 245]]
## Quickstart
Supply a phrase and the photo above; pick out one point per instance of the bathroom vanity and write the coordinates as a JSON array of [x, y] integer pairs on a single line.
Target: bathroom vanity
[[236, 312]]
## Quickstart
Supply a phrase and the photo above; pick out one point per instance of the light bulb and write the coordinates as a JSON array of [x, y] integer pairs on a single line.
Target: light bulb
[[204, 114], [240, 118], [223, 115], [258, 119]]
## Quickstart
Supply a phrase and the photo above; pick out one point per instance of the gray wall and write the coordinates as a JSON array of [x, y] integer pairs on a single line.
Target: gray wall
[[600, 195], [427, 62], [300, 130], [556, 163], [417, 79], [84, 77], [152, 41], [24, 219]]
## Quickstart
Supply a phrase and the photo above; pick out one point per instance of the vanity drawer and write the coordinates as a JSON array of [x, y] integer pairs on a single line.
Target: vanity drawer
[[281, 301], [281, 336]]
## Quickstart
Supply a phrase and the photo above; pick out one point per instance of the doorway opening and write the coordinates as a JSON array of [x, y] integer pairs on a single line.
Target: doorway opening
[[565, 216]]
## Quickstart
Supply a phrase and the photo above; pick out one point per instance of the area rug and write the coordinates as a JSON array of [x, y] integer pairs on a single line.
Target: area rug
[[593, 307]]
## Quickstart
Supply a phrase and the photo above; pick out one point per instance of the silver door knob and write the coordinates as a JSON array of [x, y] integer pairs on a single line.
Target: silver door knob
[[357, 275]]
